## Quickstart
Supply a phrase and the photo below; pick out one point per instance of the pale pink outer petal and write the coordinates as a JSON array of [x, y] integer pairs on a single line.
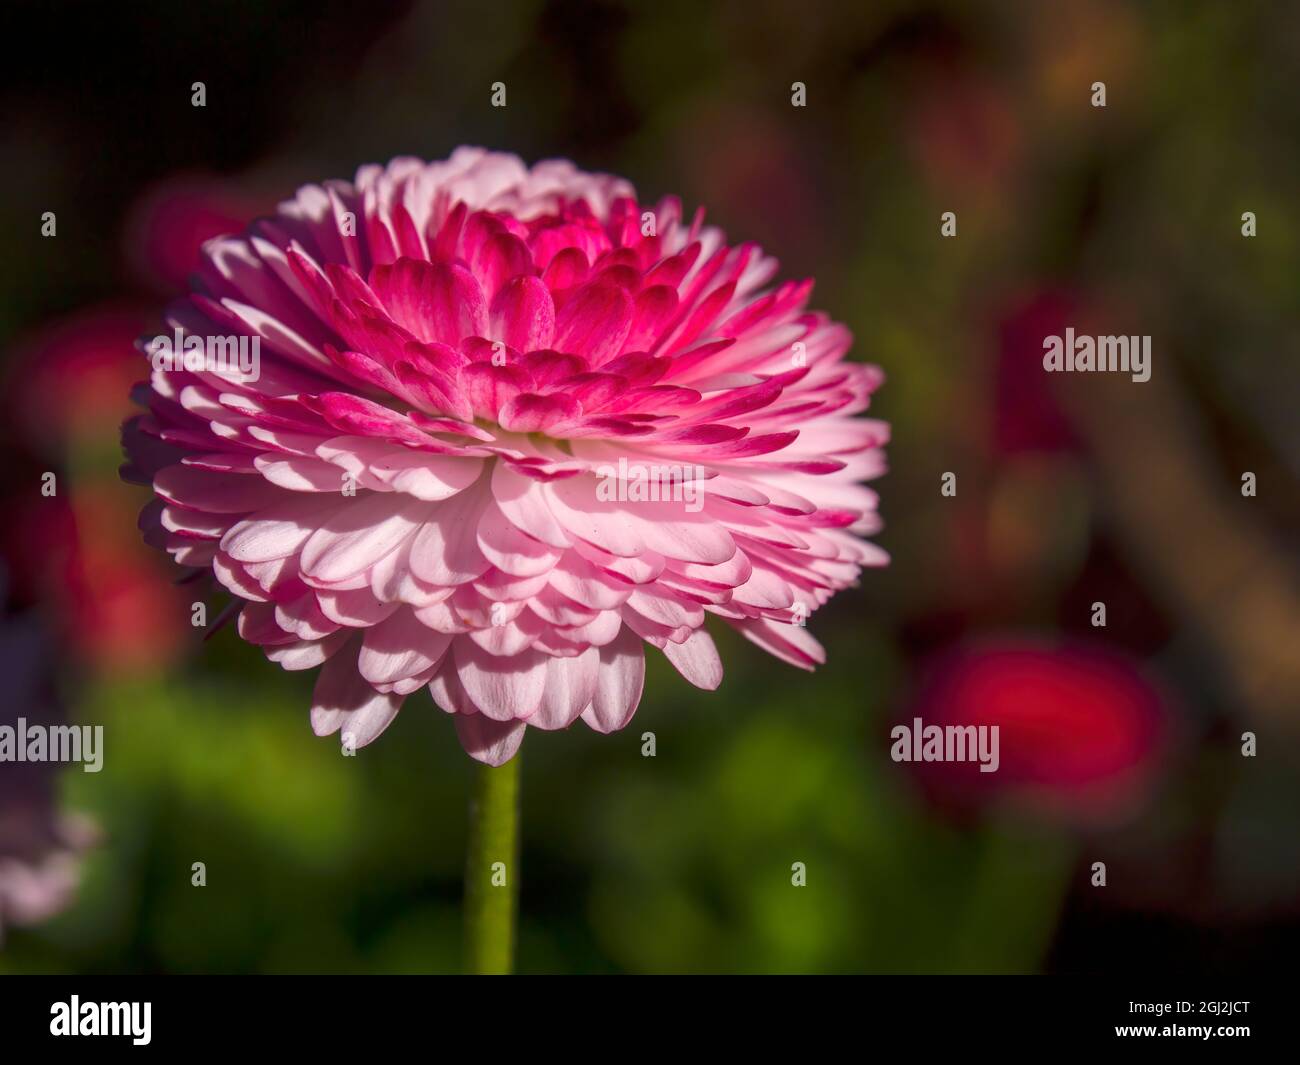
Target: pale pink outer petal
[[570, 687], [491, 742], [501, 687], [398, 648], [344, 701], [696, 658], [619, 683]]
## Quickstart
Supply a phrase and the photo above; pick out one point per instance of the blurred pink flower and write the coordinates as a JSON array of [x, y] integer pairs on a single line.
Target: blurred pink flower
[[124, 615], [756, 161], [68, 392], [963, 126], [75, 552], [40, 847], [71, 377], [168, 226], [498, 358], [1027, 415], [1081, 730]]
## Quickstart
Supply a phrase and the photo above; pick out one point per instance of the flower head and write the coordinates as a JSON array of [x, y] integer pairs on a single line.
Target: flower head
[[508, 427]]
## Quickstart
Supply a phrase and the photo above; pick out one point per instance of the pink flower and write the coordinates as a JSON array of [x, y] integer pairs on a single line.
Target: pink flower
[[510, 427]]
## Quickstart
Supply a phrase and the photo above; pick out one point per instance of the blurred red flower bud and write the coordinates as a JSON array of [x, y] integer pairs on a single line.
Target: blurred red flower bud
[[168, 225], [1080, 730], [73, 376]]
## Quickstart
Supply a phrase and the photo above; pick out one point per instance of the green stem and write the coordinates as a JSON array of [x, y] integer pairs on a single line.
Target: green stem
[[492, 870]]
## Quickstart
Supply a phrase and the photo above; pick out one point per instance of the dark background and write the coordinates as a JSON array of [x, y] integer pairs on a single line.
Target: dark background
[[1123, 219]]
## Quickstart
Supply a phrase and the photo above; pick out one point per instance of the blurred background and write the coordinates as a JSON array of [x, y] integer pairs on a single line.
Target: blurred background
[[1120, 744]]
